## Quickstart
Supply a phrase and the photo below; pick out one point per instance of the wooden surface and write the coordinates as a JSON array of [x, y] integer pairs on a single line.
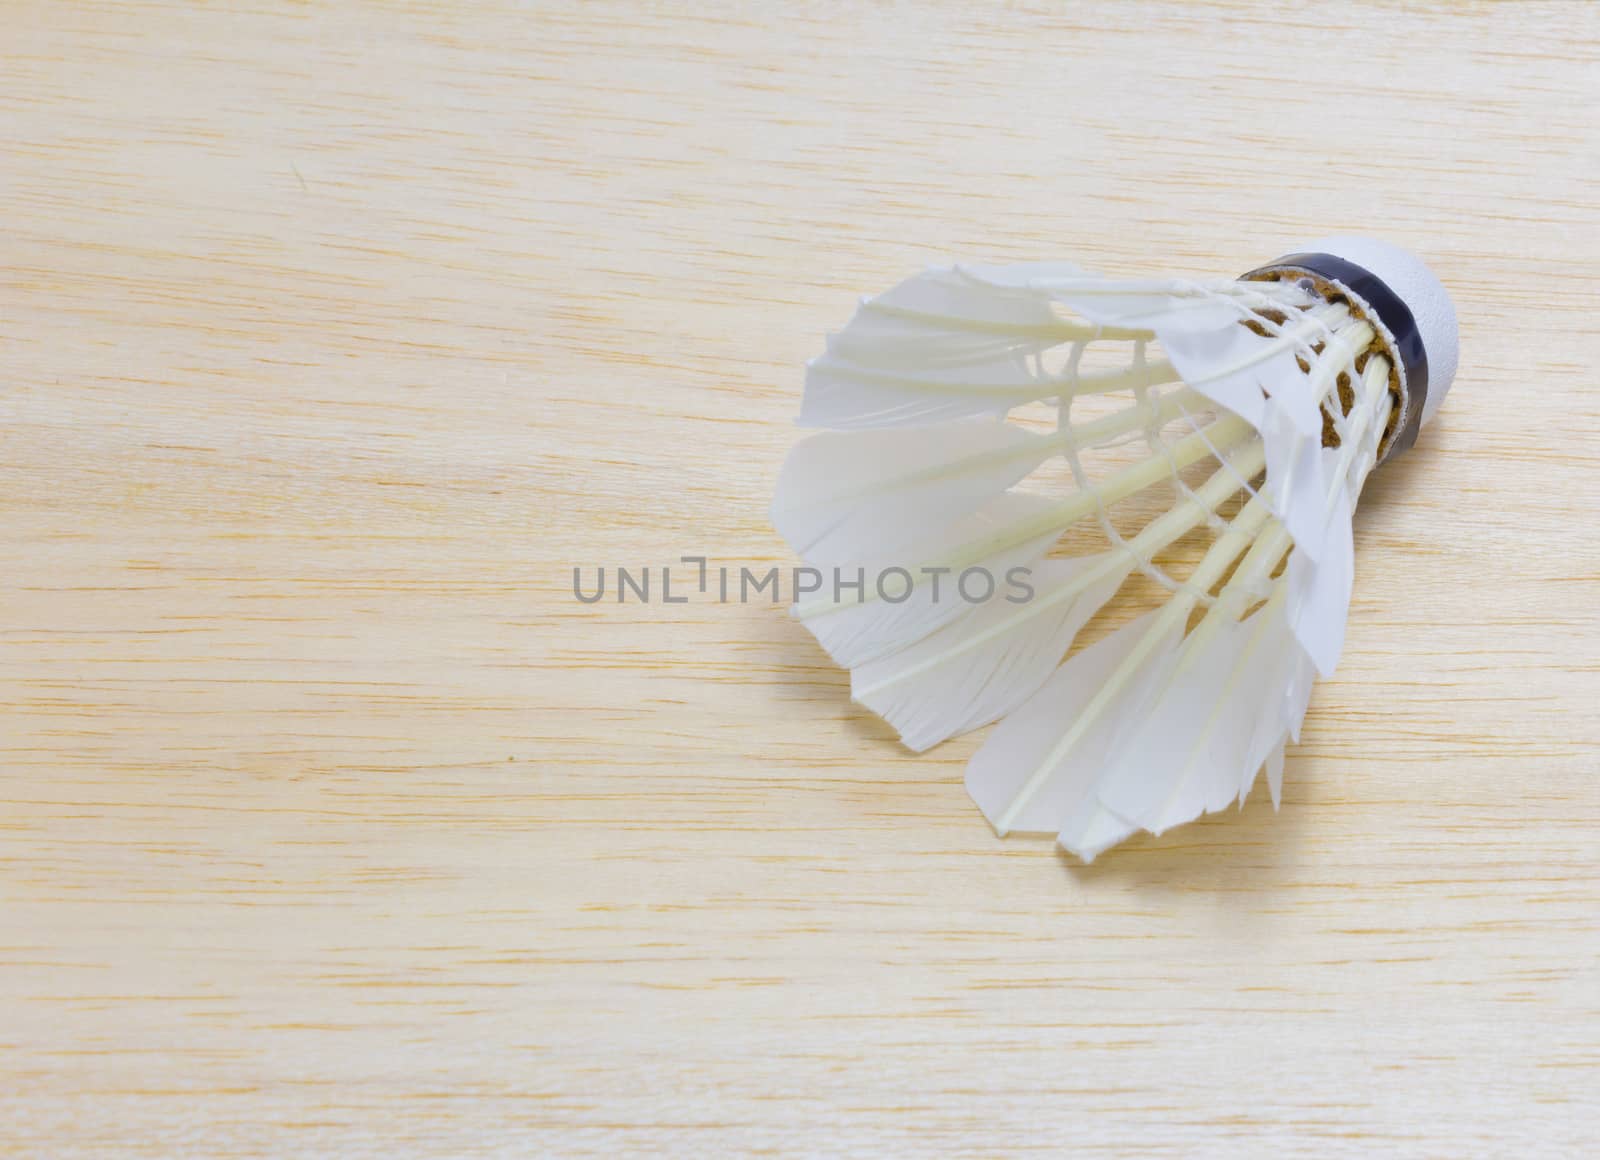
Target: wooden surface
[[335, 336]]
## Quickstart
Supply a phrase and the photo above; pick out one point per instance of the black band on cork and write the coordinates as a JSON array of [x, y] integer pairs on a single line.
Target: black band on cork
[[1392, 312]]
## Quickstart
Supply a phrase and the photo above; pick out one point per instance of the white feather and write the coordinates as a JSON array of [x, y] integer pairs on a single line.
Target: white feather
[[947, 345], [852, 397], [1091, 829], [1044, 759], [938, 346], [982, 664], [1297, 481], [857, 631], [1199, 749], [1278, 723], [1133, 304], [845, 495], [942, 317], [1274, 776], [1010, 530], [1239, 368], [1319, 590]]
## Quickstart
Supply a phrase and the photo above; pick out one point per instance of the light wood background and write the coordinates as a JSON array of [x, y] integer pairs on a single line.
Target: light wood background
[[333, 337]]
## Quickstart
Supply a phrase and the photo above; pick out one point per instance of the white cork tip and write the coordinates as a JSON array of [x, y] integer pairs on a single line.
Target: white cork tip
[[1424, 295]]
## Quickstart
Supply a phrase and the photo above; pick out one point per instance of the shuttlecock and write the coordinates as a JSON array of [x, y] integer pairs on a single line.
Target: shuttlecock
[[987, 416]]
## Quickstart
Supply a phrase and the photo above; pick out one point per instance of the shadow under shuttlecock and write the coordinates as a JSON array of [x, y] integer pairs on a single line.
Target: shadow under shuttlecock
[[1232, 850]]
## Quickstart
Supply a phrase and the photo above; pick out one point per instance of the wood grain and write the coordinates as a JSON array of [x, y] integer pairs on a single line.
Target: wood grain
[[336, 336]]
